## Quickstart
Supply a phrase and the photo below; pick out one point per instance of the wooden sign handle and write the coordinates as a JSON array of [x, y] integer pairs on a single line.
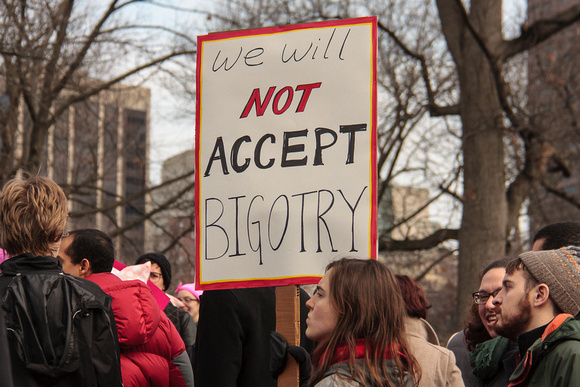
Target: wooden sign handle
[[288, 325]]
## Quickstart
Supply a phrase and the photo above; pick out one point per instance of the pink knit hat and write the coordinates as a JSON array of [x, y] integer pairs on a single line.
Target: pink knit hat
[[190, 288]]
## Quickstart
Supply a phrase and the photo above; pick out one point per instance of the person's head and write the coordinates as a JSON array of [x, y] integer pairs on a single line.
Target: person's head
[[482, 316], [187, 294], [537, 286], [87, 251], [414, 297], [359, 299], [33, 215], [557, 235], [160, 269]]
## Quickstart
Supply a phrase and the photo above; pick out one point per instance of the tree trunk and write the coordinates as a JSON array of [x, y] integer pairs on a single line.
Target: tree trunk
[[483, 226]]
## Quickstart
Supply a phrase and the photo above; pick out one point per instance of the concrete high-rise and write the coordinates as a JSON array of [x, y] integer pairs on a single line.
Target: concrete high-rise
[[99, 152]]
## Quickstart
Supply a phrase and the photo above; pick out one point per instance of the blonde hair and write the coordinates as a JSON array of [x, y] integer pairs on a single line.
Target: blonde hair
[[33, 215]]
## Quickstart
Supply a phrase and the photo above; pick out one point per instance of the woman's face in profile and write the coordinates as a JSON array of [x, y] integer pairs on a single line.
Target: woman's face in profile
[[323, 317]]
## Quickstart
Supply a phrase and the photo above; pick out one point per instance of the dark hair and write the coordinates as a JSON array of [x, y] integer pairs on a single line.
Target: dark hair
[[518, 264], [163, 263], [558, 235], [94, 245], [369, 304], [414, 297], [475, 332]]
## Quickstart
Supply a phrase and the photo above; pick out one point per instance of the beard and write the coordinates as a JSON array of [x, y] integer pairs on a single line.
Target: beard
[[513, 324]]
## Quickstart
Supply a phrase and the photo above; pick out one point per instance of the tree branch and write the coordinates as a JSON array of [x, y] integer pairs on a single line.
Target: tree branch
[[128, 199], [561, 194], [79, 57], [434, 109], [64, 14], [176, 239], [107, 85], [149, 215], [495, 65], [433, 264], [429, 242], [539, 31]]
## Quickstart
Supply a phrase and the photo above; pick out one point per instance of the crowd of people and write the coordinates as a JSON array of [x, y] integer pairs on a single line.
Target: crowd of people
[[73, 315]]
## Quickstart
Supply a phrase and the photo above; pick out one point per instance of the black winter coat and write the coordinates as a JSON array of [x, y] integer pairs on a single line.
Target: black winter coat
[[61, 329], [233, 337]]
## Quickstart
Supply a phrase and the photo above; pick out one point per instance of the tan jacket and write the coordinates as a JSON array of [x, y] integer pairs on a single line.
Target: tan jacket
[[437, 363]]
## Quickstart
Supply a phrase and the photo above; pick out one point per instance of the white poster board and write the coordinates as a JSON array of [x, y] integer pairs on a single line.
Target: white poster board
[[285, 152]]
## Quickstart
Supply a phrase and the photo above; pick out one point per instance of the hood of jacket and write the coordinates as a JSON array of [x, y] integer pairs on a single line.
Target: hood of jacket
[[28, 262], [136, 312]]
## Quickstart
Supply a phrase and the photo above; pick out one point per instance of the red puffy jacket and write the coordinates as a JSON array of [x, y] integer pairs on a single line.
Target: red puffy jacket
[[147, 338]]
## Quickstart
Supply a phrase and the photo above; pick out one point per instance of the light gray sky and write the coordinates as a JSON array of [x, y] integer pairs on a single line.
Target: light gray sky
[[172, 131]]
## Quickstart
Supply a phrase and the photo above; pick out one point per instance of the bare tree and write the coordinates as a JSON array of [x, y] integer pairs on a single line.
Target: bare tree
[[490, 211], [56, 54], [72, 61], [452, 77], [409, 142]]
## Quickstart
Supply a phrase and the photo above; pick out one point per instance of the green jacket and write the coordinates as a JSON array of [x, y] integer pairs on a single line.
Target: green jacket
[[554, 359]]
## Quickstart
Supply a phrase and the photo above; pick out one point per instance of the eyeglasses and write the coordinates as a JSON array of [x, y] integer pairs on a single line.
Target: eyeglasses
[[480, 298], [154, 275], [186, 299]]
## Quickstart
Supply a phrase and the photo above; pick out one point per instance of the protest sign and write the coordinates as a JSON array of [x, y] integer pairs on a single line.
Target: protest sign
[[285, 152]]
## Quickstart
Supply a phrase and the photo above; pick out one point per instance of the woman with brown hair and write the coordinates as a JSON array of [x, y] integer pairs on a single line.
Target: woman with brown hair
[[357, 317]]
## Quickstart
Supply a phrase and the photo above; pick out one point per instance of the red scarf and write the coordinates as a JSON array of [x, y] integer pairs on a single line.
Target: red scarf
[[342, 353]]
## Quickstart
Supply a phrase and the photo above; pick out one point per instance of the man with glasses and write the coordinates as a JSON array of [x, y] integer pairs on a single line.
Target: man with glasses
[[479, 330], [481, 297]]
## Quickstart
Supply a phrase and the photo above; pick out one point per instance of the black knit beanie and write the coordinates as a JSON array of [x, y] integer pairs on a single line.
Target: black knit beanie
[[163, 263]]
